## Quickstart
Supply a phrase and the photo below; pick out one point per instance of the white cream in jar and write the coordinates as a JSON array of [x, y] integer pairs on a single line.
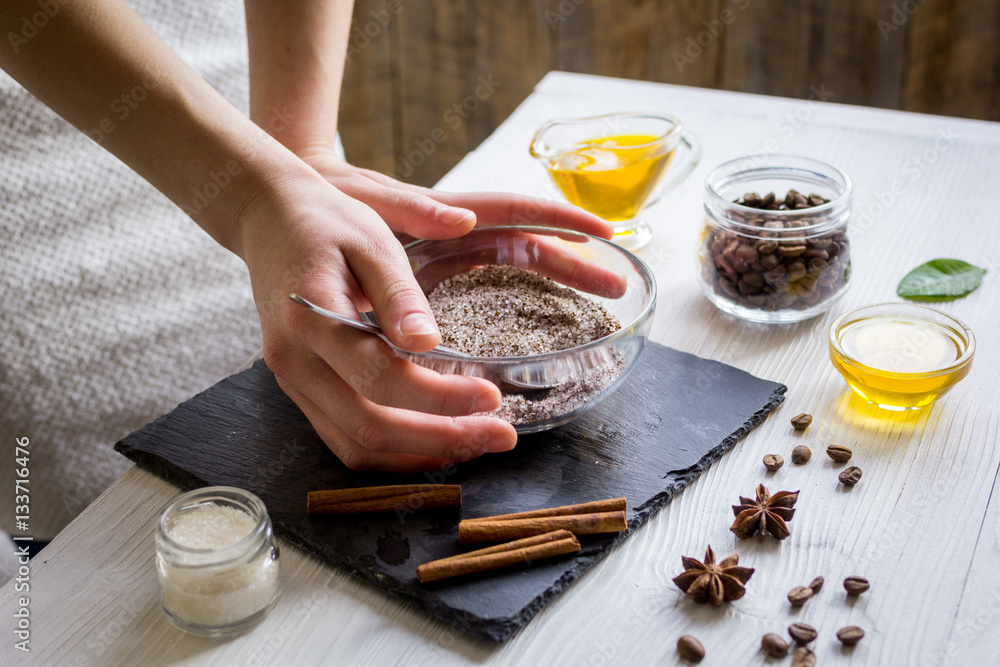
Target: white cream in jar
[[216, 561]]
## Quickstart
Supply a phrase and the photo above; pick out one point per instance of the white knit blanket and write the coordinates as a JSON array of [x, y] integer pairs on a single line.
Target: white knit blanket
[[114, 306]]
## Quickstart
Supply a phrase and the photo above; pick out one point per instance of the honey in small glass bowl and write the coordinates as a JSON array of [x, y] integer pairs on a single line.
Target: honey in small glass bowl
[[901, 356]]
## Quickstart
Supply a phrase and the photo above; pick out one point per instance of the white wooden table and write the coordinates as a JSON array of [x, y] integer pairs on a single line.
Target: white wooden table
[[923, 525]]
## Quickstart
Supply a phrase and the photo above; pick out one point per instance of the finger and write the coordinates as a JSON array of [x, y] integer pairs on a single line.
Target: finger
[[351, 453], [560, 263], [410, 212], [371, 369], [392, 430], [494, 208], [551, 257], [499, 208], [383, 271]]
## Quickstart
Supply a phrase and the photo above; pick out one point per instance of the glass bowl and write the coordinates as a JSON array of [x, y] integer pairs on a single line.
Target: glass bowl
[[901, 356], [553, 388]]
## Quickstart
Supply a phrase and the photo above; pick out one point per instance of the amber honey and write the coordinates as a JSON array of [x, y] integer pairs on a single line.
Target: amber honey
[[612, 177], [901, 357]]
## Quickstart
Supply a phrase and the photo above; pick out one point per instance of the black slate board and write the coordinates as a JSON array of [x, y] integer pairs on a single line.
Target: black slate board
[[672, 417]]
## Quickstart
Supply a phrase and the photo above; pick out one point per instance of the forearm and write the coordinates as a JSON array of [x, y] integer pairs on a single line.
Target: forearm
[[99, 66], [297, 51]]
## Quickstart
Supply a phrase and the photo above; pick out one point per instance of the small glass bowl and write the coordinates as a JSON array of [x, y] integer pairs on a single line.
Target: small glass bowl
[[221, 590], [900, 335], [578, 377], [775, 266]]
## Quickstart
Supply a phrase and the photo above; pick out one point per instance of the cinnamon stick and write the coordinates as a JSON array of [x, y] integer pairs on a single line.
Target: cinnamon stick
[[498, 557], [384, 498], [512, 529], [516, 544], [607, 505]]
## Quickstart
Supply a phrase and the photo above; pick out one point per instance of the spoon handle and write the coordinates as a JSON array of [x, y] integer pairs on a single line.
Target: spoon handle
[[329, 314], [363, 326]]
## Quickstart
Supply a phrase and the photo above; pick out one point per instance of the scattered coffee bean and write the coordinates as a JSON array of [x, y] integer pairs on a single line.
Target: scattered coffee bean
[[839, 453], [850, 635], [800, 422], [803, 633], [774, 646], [801, 454], [772, 462], [850, 476], [816, 584], [798, 595], [690, 648], [855, 585], [803, 657]]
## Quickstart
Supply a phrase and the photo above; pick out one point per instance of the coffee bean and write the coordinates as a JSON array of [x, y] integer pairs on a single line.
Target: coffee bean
[[796, 270], [850, 475], [791, 251], [839, 453], [816, 584], [850, 635], [775, 275], [802, 633], [798, 595], [801, 455], [768, 262], [690, 648], [747, 254], [774, 646], [768, 200], [728, 287], [803, 657], [802, 421], [772, 462], [855, 585]]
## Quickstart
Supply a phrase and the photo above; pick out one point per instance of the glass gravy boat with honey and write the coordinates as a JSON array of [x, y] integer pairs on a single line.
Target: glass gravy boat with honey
[[614, 165]]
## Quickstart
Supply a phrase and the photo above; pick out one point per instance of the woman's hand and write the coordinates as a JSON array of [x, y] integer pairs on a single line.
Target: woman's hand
[[429, 214], [372, 409]]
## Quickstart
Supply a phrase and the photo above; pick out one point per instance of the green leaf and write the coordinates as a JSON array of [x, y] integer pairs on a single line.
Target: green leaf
[[940, 280]]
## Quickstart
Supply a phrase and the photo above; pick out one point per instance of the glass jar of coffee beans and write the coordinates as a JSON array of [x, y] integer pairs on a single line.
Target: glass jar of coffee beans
[[775, 246]]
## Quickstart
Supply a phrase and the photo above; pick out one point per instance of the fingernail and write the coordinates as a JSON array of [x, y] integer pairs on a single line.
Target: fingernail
[[418, 324], [450, 216], [486, 402], [501, 442]]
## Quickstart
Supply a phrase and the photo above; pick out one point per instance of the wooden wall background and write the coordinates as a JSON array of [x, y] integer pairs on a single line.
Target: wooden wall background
[[411, 61]]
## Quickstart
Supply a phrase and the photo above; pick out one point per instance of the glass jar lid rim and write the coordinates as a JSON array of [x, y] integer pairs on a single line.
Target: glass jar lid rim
[[205, 494], [774, 163]]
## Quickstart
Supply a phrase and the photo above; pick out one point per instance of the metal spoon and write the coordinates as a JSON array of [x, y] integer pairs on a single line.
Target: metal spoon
[[505, 374], [363, 326]]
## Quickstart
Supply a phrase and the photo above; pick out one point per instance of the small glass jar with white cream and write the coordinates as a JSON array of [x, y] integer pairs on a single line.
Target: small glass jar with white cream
[[216, 561]]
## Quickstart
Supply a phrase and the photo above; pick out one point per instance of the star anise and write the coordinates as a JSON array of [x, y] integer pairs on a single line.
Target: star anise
[[767, 514], [713, 582]]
